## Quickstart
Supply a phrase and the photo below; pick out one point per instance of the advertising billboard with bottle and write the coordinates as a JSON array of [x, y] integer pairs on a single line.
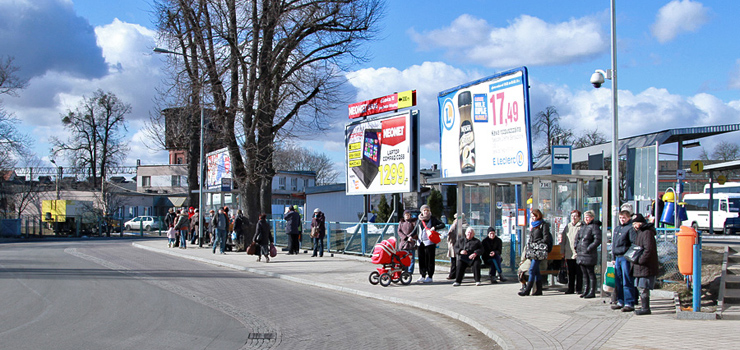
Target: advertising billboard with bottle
[[484, 126], [382, 154]]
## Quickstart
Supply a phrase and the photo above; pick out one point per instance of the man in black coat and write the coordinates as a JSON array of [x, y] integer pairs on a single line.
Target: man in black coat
[[492, 246], [468, 252], [293, 229]]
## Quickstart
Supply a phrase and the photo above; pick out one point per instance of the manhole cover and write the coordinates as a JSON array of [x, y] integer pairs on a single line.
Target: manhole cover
[[261, 336]]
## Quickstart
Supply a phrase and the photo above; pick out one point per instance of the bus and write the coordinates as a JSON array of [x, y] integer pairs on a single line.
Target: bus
[[727, 187], [725, 205]]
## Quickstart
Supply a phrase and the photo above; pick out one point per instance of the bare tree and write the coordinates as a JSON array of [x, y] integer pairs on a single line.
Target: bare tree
[[13, 143], [548, 125], [590, 138], [97, 139], [726, 151], [291, 157], [272, 67]]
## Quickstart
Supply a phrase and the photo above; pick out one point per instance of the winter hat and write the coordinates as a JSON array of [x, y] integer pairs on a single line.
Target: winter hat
[[316, 210], [639, 218], [407, 211], [491, 229], [424, 207]]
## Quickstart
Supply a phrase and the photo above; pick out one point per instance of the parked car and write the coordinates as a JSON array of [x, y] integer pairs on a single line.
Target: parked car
[[148, 222]]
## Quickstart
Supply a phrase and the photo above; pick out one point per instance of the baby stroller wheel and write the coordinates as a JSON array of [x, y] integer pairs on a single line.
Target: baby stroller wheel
[[385, 280], [374, 277], [405, 278]]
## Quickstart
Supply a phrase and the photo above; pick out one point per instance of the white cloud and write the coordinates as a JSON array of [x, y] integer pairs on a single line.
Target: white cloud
[[526, 41], [679, 16], [140, 151]]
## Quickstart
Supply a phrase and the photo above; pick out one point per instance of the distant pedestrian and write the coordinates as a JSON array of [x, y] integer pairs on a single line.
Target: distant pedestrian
[[241, 223], [292, 229], [318, 222], [407, 243], [221, 224], [169, 219], [645, 269], [588, 241], [183, 225], [568, 247], [194, 222], [427, 249], [211, 226], [263, 237]]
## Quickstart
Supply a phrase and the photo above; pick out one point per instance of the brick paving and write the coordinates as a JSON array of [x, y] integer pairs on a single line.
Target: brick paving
[[551, 321]]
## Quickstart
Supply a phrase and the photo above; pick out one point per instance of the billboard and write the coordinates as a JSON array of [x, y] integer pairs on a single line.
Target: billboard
[[382, 154], [219, 168], [383, 104], [484, 126]]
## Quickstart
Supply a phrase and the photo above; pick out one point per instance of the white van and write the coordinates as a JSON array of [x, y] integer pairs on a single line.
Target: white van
[[697, 209]]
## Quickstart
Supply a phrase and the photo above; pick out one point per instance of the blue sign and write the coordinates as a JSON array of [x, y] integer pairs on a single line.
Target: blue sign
[[561, 160]]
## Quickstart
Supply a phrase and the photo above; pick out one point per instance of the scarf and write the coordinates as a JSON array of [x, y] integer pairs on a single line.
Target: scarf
[[536, 223], [425, 218]]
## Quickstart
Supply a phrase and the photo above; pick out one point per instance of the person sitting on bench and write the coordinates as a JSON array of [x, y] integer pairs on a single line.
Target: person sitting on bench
[[468, 252], [492, 255]]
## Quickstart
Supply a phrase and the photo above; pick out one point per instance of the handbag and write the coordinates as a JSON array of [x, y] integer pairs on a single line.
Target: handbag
[[563, 273], [314, 232], [633, 253], [252, 249], [273, 251], [537, 251], [609, 277], [433, 235]]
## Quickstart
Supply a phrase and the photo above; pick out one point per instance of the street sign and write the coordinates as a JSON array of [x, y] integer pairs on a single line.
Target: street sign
[[721, 179], [697, 167], [681, 174]]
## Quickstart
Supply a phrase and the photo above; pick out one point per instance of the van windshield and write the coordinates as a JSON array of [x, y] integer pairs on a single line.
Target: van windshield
[[734, 204]]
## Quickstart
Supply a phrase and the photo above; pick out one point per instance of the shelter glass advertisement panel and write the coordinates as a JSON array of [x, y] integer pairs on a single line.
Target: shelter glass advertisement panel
[[380, 156], [484, 126], [219, 167]]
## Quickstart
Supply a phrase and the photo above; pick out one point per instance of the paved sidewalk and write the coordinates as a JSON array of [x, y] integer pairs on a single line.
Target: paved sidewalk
[[551, 321]]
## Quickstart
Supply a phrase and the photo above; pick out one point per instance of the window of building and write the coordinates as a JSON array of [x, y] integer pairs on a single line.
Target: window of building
[[146, 181], [293, 184], [176, 181], [281, 183]]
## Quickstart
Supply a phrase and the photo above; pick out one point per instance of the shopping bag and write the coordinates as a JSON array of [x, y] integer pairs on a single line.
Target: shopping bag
[[273, 251], [609, 278], [252, 249]]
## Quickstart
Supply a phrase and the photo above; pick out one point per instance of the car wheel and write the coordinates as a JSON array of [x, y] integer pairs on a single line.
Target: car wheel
[[148, 227], [128, 228]]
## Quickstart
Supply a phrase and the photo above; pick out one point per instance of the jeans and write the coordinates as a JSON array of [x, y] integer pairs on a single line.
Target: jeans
[[411, 253], [534, 271], [183, 237], [318, 246], [495, 263], [624, 283], [220, 240]]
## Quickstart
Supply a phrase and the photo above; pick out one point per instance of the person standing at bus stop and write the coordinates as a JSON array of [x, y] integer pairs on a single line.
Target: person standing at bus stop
[[624, 285], [427, 249], [221, 224], [292, 229]]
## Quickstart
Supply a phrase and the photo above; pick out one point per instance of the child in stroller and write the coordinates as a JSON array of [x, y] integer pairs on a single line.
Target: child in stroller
[[394, 263]]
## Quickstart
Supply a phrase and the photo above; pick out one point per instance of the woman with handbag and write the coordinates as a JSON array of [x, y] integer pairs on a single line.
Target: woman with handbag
[[426, 234], [568, 247], [645, 268], [263, 237], [588, 241], [318, 232], [537, 250]]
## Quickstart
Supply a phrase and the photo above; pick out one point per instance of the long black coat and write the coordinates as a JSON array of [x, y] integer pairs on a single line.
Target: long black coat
[[588, 241], [648, 264], [262, 234]]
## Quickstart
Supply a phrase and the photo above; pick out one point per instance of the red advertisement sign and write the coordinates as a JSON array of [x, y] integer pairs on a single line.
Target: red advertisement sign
[[383, 104], [394, 131]]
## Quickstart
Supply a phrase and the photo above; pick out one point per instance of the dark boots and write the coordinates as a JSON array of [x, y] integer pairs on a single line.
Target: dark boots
[[644, 303], [537, 288], [527, 289], [586, 290], [591, 290]]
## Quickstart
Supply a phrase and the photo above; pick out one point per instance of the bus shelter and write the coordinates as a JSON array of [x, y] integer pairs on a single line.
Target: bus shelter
[[504, 201]]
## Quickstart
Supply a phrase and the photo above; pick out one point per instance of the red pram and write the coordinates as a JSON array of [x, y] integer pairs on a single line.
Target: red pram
[[394, 263]]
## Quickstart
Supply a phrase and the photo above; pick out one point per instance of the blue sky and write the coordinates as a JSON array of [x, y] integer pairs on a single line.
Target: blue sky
[[678, 62]]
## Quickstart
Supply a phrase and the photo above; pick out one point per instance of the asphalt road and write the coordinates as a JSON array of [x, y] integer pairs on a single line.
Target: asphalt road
[[105, 294]]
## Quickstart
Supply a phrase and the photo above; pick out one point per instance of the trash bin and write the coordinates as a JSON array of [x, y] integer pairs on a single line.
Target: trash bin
[[686, 238]]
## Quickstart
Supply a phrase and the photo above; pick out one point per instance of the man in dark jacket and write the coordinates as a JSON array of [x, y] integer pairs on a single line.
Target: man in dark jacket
[[468, 252], [624, 285], [646, 268], [169, 219], [492, 255], [293, 229], [221, 224]]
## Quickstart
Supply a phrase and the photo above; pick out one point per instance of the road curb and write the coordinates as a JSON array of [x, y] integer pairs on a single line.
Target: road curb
[[503, 343]]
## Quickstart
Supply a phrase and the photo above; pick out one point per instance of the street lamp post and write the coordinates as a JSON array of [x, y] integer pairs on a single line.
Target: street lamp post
[[201, 175], [59, 174]]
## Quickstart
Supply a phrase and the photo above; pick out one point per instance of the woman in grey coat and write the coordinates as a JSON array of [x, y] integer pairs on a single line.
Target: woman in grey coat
[[568, 247]]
